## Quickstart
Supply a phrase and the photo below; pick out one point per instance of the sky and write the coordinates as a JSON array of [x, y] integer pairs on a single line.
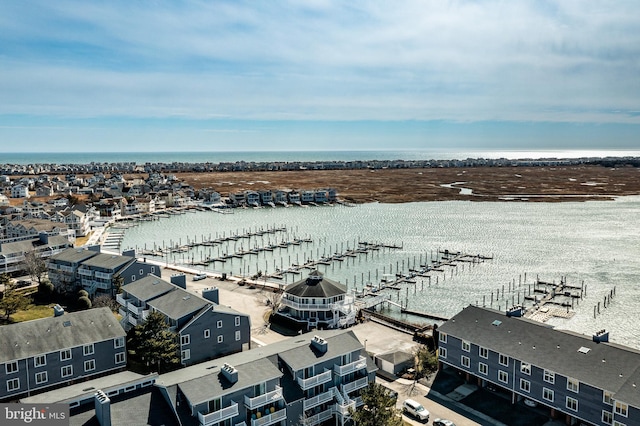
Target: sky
[[100, 76]]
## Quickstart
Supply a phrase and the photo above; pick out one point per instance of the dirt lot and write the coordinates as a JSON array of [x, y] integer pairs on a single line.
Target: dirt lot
[[408, 185]]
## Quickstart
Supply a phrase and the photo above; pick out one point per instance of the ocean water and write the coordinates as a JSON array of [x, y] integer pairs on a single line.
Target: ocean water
[[233, 156], [595, 243]]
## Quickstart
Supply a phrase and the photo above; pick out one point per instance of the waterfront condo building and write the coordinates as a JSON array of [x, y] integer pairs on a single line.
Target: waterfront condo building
[[205, 328], [47, 353], [578, 379]]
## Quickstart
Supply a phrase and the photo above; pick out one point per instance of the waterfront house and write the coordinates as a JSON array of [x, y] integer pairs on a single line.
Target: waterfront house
[[266, 197], [280, 197], [307, 196], [47, 353], [252, 198], [19, 191], [317, 302], [205, 328], [575, 378]]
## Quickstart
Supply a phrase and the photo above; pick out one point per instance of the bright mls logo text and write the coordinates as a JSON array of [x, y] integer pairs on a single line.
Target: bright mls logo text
[[43, 414]]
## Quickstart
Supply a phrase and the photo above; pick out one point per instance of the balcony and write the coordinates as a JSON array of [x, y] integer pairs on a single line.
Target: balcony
[[314, 380], [319, 418], [309, 403], [121, 299], [85, 272], [103, 275], [358, 384], [351, 367], [307, 306], [218, 416], [260, 400], [343, 408], [270, 419]]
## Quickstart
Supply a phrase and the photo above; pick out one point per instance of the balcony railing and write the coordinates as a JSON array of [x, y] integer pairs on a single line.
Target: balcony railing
[[121, 299], [260, 400], [343, 409], [218, 416], [309, 403], [320, 417], [358, 384], [307, 306], [135, 309], [103, 275], [359, 364], [270, 419], [67, 269], [315, 380], [85, 272]]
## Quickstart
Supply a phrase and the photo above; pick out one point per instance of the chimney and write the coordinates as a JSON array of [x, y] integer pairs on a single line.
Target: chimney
[[58, 311], [229, 372], [103, 408], [601, 336], [179, 280], [319, 343], [211, 294]]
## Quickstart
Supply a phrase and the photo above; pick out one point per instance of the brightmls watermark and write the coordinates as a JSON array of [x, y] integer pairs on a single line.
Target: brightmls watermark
[[34, 414]]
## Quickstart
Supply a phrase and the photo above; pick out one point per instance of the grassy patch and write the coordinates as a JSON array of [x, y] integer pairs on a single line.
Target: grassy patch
[[34, 312]]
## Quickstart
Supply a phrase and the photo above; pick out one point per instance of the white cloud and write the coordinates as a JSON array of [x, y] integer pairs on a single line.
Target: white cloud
[[325, 60]]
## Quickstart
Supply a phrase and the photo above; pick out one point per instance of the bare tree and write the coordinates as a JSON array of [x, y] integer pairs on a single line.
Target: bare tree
[[34, 265]]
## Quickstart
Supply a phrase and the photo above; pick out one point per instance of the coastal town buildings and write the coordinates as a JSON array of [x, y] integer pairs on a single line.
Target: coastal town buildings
[[577, 379], [52, 352], [205, 328], [14, 250], [317, 302], [95, 272]]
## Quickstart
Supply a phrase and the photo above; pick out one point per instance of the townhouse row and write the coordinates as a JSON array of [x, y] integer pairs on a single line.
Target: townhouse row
[[574, 378]]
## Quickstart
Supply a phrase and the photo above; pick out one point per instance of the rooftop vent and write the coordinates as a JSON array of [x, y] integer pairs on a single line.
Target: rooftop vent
[[497, 322], [319, 343], [601, 336], [67, 324], [229, 372], [584, 350]]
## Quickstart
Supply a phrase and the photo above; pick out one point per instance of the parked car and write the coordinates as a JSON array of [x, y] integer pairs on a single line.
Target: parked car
[[199, 277], [416, 410], [443, 422]]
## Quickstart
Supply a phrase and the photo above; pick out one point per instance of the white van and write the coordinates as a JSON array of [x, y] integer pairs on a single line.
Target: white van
[[415, 409]]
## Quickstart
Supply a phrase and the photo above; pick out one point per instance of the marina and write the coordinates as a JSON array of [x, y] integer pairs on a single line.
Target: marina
[[574, 242]]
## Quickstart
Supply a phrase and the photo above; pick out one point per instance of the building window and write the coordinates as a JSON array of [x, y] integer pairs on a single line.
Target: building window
[[549, 376], [483, 352], [220, 338], [483, 368], [11, 367], [13, 384], [464, 360], [90, 365], [185, 339], [607, 417], [572, 384], [41, 377], [207, 333], [442, 352], [572, 404], [39, 361], [66, 371], [141, 271], [153, 269], [87, 349], [237, 335], [118, 342], [119, 357], [219, 324], [503, 376], [466, 346], [547, 394], [133, 278], [186, 354], [607, 397], [617, 423], [621, 408], [525, 385], [237, 321], [65, 354], [504, 360], [525, 368], [442, 337]]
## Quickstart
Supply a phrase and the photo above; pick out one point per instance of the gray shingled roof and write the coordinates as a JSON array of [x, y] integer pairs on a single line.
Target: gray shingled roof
[[30, 338], [249, 374], [316, 285], [178, 303], [108, 261], [74, 255], [148, 288], [605, 365], [305, 355]]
